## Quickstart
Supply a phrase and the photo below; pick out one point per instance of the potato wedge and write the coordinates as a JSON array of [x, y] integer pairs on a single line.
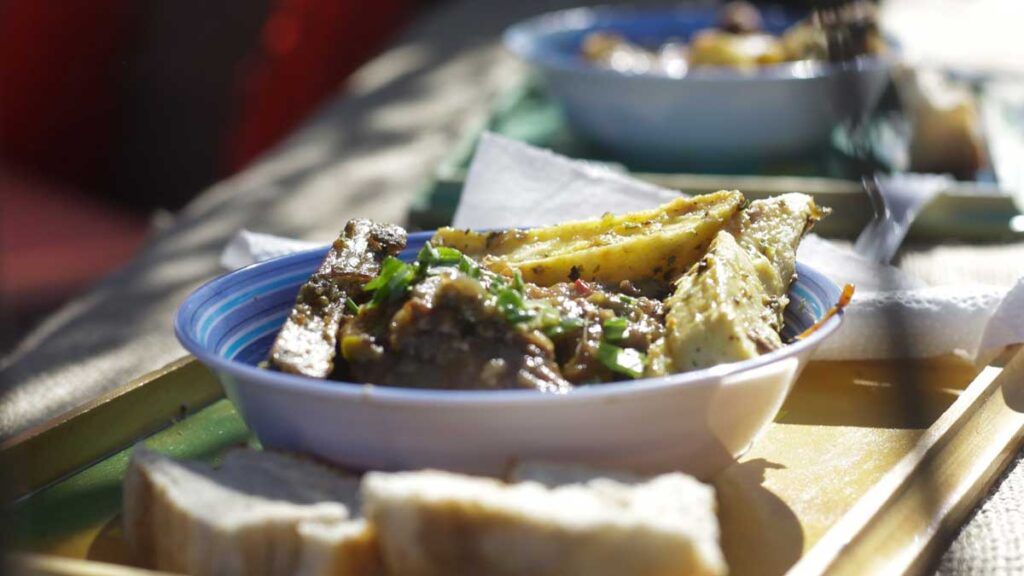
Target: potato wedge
[[650, 244], [729, 306], [770, 231]]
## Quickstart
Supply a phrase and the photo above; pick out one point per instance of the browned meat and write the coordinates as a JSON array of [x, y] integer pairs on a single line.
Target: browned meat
[[636, 322], [444, 322], [450, 334], [307, 342]]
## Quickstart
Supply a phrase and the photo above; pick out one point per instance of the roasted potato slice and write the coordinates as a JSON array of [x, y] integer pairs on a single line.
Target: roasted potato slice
[[649, 244], [729, 306]]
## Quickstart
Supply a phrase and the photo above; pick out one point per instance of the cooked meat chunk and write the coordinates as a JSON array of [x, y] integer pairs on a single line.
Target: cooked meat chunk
[[451, 334], [636, 322], [307, 342]]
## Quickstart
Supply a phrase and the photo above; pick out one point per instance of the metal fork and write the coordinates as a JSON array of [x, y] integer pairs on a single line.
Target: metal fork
[[895, 202], [872, 241]]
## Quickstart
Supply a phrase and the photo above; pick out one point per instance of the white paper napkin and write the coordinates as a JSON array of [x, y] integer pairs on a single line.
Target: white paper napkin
[[247, 247], [514, 184]]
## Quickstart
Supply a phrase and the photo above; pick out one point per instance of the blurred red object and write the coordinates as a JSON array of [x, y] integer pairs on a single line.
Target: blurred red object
[[101, 104], [69, 71], [306, 48], [61, 64], [57, 241]]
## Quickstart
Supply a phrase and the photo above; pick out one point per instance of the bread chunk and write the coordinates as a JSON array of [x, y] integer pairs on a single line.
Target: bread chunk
[[433, 523], [339, 549], [247, 517]]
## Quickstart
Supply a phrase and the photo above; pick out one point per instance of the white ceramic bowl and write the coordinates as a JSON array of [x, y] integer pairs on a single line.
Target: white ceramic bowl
[[697, 422], [712, 119]]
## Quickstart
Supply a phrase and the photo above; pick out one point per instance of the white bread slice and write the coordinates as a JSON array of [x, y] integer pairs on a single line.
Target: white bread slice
[[341, 549], [243, 518], [436, 523]]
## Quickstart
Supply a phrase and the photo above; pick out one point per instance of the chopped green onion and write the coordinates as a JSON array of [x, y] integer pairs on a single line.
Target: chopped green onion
[[468, 267], [546, 314], [427, 254], [512, 306], [626, 361], [392, 282], [615, 329], [627, 300], [517, 282], [439, 255], [387, 269], [497, 283], [446, 255], [351, 305], [565, 325], [400, 282]]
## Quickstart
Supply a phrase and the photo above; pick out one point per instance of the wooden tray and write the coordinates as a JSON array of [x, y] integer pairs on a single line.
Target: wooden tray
[[846, 480], [977, 211]]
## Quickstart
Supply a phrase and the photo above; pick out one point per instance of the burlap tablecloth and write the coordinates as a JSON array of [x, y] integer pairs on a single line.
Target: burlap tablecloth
[[366, 154]]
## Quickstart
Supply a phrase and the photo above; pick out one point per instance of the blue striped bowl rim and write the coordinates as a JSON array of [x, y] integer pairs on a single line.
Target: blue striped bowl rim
[[230, 322]]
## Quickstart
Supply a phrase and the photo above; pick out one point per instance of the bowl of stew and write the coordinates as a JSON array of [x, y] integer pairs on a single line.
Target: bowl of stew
[[669, 89], [696, 421]]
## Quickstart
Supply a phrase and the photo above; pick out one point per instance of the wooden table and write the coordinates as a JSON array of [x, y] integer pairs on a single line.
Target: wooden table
[[366, 154]]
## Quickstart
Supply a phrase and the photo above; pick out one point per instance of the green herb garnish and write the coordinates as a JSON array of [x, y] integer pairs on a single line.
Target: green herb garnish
[[392, 282], [512, 306], [517, 282], [544, 314], [439, 255], [626, 361], [615, 329], [626, 300], [564, 326], [351, 305], [468, 267]]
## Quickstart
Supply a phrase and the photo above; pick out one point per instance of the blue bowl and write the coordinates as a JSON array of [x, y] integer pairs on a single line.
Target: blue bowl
[[695, 421], [712, 119]]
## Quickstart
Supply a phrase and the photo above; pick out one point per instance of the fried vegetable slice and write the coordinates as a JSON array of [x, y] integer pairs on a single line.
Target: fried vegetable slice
[[307, 342], [770, 231], [649, 244], [729, 306]]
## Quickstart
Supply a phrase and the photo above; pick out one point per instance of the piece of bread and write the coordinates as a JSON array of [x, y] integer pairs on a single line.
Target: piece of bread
[[433, 523], [339, 549], [247, 517], [947, 131]]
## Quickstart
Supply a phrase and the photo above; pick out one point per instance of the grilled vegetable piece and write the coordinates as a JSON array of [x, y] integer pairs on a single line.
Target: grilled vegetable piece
[[307, 343], [650, 244], [729, 306], [770, 231]]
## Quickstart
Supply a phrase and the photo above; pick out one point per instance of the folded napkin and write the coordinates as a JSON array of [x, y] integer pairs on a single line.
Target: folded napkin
[[514, 184], [247, 247]]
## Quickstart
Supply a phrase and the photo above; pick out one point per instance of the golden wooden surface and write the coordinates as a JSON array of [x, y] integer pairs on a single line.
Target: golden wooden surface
[[826, 471], [838, 433], [38, 565], [907, 518], [44, 454]]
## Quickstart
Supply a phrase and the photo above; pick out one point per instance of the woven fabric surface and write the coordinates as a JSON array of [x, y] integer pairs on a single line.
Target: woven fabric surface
[[992, 541]]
